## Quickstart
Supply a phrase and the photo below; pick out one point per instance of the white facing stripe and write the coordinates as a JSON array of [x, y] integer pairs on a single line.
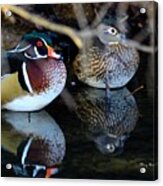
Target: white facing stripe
[[55, 55], [19, 50], [45, 43], [26, 79], [25, 151], [37, 168], [38, 56], [23, 49]]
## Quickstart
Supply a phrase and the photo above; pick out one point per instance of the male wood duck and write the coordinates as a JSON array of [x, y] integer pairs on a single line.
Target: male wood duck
[[38, 146], [107, 62], [34, 75], [107, 121]]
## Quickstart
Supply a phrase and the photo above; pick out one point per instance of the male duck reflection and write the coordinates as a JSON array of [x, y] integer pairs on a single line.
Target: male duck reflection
[[38, 145], [108, 122], [34, 75], [109, 62]]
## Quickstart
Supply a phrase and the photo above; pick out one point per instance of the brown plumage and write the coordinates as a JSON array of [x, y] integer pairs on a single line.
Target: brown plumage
[[106, 61], [107, 119], [42, 74]]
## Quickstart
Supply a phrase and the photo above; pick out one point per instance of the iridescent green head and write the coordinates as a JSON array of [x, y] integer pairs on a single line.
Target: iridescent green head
[[37, 45], [35, 36]]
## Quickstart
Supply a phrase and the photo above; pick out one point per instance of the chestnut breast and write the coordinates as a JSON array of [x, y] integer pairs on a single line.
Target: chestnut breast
[[42, 73]]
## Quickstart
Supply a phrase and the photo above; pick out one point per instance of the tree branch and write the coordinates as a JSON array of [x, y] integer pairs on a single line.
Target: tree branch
[[75, 35], [45, 23]]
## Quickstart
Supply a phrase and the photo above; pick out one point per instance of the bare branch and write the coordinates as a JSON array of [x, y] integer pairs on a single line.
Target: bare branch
[[45, 23], [87, 33], [76, 36], [101, 14], [80, 15], [139, 46], [121, 14]]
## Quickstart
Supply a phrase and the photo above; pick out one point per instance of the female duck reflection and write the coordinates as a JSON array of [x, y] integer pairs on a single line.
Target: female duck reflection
[[39, 144], [108, 120]]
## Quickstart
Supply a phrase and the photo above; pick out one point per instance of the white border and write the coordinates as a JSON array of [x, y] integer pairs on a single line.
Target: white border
[[63, 182]]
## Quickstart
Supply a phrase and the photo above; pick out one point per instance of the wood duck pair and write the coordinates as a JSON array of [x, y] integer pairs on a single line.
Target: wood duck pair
[[34, 74], [107, 62]]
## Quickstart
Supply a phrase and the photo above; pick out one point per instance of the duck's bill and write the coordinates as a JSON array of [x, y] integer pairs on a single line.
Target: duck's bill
[[51, 171], [52, 53]]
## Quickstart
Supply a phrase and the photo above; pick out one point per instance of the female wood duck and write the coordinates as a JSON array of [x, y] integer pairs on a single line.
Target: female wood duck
[[34, 75], [108, 61], [38, 145], [107, 121]]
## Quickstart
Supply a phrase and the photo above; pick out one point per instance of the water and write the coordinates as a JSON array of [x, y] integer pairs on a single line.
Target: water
[[84, 158]]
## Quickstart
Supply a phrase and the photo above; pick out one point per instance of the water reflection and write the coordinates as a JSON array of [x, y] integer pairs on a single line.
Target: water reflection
[[33, 143], [108, 119]]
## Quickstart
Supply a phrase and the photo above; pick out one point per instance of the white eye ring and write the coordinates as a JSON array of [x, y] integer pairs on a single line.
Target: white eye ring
[[112, 31], [110, 147]]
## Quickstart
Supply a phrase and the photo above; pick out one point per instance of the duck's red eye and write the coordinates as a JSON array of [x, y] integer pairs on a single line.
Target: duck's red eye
[[39, 43]]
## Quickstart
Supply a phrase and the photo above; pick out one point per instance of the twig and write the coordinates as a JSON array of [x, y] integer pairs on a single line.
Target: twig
[[122, 16], [83, 23], [45, 23], [135, 91], [80, 15], [143, 34], [139, 46], [88, 33], [101, 14], [73, 34], [132, 43]]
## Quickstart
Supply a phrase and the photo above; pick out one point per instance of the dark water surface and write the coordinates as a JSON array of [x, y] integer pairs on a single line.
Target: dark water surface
[[84, 158]]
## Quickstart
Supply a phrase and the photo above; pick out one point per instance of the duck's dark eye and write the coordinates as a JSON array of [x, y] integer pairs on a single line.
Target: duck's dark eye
[[110, 147], [39, 44], [112, 31], [42, 50]]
